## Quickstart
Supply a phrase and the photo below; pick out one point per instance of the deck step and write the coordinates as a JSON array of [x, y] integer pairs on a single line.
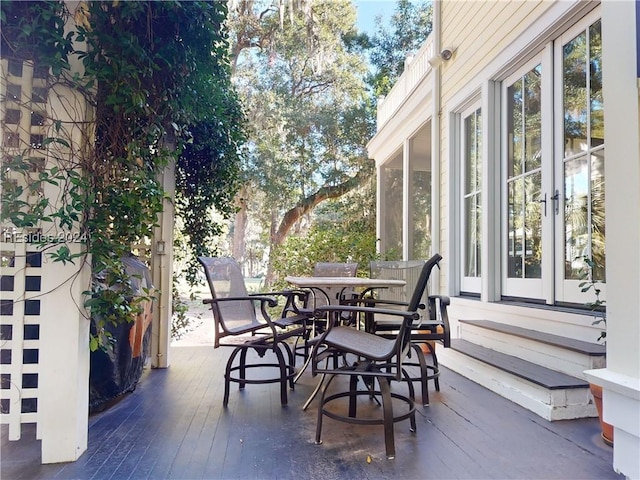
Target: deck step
[[531, 372], [567, 355], [586, 348], [551, 394]]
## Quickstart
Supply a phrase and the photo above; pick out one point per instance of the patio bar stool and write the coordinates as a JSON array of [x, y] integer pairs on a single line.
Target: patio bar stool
[[433, 326], [237, 326], [376, 359]]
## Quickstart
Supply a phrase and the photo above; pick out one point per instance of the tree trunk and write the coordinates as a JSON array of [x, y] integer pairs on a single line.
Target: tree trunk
[[239, 246], [269, 278]]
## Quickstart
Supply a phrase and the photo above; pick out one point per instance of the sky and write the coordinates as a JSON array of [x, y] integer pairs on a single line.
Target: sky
[[369, 9]]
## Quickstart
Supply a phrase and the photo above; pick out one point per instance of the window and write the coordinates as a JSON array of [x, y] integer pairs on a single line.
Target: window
[[37, 141], [11, 139], [37, 119], [40, 94], [391, 214], [12, 116], [524, 142], [14, 92], [553, 168], [583, 154], [15, 68], [580, 148], [471, 188]]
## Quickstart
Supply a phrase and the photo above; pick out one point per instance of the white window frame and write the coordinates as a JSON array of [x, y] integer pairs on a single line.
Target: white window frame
[[470, 284], [567, 290], [551, 287], [528, 287]]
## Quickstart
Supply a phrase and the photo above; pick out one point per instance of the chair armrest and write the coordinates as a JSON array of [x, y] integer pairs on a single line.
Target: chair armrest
[[260, 297], [374, 303], [292, 296], [443, 301], [320, 311], [281, 293], [370, 291], [381, 301]]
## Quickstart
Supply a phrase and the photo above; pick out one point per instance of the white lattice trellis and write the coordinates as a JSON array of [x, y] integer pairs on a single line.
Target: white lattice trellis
[[21, 283], [44, 337], [44, 350]]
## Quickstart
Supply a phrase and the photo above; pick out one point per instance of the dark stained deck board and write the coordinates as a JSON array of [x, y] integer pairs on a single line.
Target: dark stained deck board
[[174, 426], [545, 377], [592, 349]]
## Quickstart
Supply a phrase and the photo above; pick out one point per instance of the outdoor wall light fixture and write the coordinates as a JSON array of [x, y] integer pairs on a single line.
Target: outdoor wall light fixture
[[444, 55]]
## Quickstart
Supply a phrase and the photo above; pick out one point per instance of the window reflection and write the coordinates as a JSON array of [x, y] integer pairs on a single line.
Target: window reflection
[[584, 153], [421, 205], [472, 194], [393, 214], [524, 129]]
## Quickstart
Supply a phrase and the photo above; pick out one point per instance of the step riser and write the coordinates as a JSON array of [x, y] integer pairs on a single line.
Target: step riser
[[556, 358], [560, 404]]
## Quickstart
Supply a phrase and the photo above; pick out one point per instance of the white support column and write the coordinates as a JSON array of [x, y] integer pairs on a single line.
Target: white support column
[[491, 192], [381, 208], [407, 199], [162, 273], [436, 153], [63, 404], [621, 379]]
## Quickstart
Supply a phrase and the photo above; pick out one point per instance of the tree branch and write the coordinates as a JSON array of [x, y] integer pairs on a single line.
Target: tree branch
[[307, 204]]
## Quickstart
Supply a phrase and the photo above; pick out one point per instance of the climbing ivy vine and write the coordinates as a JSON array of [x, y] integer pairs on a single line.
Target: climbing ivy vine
[[156, 89]]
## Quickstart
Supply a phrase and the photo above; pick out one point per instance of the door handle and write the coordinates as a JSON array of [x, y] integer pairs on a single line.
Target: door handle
[[544, 200], [556, 201]]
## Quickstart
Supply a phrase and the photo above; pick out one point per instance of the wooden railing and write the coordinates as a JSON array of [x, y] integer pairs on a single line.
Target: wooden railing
[[415, 70]]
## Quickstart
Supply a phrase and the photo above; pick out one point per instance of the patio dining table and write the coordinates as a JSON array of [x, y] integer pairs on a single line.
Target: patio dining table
[[337, 284], [340, 283]]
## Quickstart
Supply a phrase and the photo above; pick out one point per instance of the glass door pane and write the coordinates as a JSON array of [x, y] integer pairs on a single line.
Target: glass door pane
[[582, 229], [523, 236], [392, 219], [471, 201]]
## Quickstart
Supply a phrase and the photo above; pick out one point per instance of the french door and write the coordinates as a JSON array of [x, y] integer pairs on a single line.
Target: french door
[[553, 169]]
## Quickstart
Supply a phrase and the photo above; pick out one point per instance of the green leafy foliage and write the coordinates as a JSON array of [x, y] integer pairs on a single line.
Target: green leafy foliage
[[156, 76], [590, 284], [389, 47], [326, 241]]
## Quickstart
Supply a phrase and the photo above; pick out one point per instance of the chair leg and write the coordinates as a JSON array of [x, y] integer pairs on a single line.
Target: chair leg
[[227, 375], [353, 389], [387, 409], [283, 374], [412, 396], [291, 356], [242, 372], [436, 367], [424, 373], [321, 409], [314, 393]]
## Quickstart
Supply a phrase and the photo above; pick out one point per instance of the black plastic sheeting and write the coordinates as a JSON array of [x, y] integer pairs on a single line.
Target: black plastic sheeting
[[117, 370]]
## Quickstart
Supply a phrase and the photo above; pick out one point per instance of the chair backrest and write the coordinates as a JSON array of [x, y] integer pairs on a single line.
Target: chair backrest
[[421, 284], [330, 269], [326, 269], [225, 280], [408, 271], [404, 335]]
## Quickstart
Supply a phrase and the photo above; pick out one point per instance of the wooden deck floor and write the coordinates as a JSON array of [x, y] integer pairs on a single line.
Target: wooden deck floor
[[174, 426]]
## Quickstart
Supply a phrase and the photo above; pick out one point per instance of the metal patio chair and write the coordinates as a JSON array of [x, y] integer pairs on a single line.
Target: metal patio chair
[[434, 324], [239, 326], [374, 358]]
